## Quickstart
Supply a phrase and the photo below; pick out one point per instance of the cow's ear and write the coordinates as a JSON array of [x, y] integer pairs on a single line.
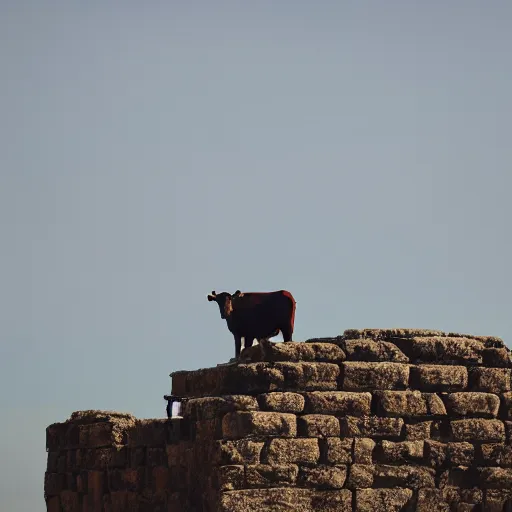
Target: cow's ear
[[238, 292], [211, 297]]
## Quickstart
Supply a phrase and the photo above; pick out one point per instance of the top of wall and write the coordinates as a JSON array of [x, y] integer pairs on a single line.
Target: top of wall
[[358, 360]]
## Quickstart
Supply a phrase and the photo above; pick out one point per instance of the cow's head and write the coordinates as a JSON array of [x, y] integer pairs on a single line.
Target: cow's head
[[224, 302]]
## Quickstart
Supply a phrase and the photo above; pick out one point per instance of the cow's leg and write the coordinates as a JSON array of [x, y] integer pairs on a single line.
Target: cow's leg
[[287, 333], [248, 341], [238, 345]]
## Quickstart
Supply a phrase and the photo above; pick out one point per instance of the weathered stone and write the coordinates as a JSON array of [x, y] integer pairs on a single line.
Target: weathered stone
[[374, 351], [389, 334], [431, 500], [488, 341], [472, 404], [292, 451], [96, 435], [160, 479], [461, 454], [54, 483], [478, 430], [318, 425], [382, 500], [338, 402], [336, 450], [458, 477], [265, 475], [408, 404], [243, 451], [294, 352], [61, 436], [403, 452], [323, 477], [412, 477], [200, 409], [418, 431], [506, 407], [360, 476], [70, 501], [285, 499], [281, 402], [369, 376], [241, 424], [439, 378], [495, 478], [496, 454], [497, 499], [148, 433], [462, 499], [444, 350], [455, 454], [230, 478], [490, 380], [363, 450], [371, 426], [496, 357]]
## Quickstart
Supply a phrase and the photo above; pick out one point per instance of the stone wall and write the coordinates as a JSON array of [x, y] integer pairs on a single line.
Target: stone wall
[[374, 420]]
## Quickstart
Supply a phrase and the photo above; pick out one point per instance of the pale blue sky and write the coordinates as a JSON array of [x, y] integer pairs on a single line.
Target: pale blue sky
[[357, 153]]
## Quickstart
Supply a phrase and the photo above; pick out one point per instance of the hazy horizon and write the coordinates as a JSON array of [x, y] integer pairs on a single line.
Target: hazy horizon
[[354, 153]]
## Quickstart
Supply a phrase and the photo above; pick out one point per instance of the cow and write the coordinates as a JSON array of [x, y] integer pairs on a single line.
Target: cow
[[256, 315]]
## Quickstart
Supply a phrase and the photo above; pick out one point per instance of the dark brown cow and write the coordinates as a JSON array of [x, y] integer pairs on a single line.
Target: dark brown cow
[[256, 315]]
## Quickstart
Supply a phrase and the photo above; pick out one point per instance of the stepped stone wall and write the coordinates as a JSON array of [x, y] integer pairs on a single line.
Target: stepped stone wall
[[373, 420]]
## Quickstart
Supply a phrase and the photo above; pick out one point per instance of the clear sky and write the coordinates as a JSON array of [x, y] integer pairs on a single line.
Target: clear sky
[[356, 153]]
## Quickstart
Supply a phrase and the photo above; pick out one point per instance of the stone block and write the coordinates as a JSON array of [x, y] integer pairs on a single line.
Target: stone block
[[53, 504], [412, 477], [371, 426], [374, 351], [103, 458], [390, 334], [241, 424], [70, 501], [62, 436], [323, 477], [418, 431], [335, 450], [497, 499], [244, 451], [457, 478], [496, 454], [339, 403], [439, 378], [431, 500], [461, 499], [496, 357], [408, 404], [54, 483], [403, 452], [286, 499], [363, 450], [309, 376], [229, 478], [495, 478], [479, 430], [148, 433], [360, 476], [506, 405], [281, 402], [179, 454], [160, 477], [265, 475], [295, 352], [453, 454], [485, 405], [442, 350], [208, 408], [383, 500], [318, 425], [490, 380], [292, 451], [364, 376], [157, 456]]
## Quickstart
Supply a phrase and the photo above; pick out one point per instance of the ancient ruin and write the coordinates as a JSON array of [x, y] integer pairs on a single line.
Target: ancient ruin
[[377, 420]]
